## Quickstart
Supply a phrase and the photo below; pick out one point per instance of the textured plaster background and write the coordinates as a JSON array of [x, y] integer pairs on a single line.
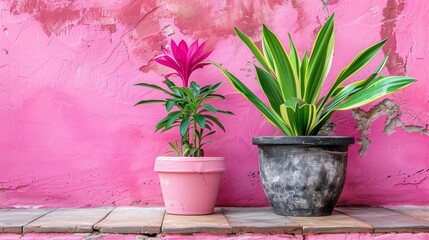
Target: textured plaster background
[[70, 136]]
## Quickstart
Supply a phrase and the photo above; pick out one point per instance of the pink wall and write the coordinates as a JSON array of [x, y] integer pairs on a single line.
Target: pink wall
[[70, 136]]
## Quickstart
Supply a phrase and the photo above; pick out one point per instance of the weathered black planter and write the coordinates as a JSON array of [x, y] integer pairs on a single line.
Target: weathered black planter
[[303, 176]]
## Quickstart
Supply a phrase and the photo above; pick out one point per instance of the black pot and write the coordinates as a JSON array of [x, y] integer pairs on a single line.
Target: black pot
[[303, 176]]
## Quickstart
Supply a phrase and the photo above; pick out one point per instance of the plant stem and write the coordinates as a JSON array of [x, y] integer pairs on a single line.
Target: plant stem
[[195, 134]]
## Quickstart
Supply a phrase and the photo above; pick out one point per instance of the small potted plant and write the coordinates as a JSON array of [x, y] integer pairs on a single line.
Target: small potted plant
[[189, 181], [302, 173]]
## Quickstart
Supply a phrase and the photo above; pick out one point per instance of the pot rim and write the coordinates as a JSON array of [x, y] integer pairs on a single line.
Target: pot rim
[[164, 164], [303, 140]]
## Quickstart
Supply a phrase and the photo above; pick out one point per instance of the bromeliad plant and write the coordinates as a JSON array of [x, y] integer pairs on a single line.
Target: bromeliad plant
[[186, 106], [293, 85]]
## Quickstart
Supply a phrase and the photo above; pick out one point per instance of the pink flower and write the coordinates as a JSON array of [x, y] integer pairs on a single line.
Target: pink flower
[[183, 59]]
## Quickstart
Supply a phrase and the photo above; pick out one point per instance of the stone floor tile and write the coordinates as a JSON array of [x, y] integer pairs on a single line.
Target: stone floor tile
[[385, 220], [259, 220], [13, 220], [78, 220], [214, 223], [132, 220], [414, 211], [336, 223]]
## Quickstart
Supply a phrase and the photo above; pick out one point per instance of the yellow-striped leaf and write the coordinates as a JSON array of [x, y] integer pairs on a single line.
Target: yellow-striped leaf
[[381, 87], [320, 61], [270, 87], [251, 45], [286, 76], [271, 115]]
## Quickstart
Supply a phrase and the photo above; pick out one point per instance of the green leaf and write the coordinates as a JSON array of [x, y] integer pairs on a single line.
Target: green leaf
[[169, 128], [253, 49], [320, 60], [208, 134], [195, 89], [341, 93], [320, 123], [360, 61], [210, 90], [206, 143], [268, 56], [270, 87], [381, 87], [216, 96], [156, 88], [172, 86], [201, 120], [200, 153], [216, 121], [185, 149], [149, 101], [169, 105], [307, 114], [210, 108], [300, 116], [205, 88], [287, 77], [192, 151], [225, 112], [172, 118], [303, 74], [271, 115], [288, 115], [294, 57], [191, 106], [184, 125], [185, 91], [175, 148]]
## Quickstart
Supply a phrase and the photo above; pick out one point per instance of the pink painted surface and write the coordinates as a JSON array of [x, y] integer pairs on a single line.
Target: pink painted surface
[[189, 184], [201, 236], [353, 236], [70, 136], [368, 236], [54, 236]]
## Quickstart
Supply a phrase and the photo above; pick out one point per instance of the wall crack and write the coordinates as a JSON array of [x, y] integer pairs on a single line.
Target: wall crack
[[393, 113]]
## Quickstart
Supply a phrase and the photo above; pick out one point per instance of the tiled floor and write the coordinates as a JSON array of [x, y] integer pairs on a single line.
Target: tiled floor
[[133, 220]]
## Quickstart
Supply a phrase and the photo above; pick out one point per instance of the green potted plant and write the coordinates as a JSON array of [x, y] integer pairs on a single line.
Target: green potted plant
[[302, 173], [189, 180]]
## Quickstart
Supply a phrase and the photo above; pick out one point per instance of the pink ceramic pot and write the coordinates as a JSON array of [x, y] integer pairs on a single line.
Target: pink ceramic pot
[[190, 184]]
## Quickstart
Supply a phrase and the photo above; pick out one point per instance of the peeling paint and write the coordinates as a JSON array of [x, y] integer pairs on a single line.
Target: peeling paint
[[392, 111], [393, 9], [327, 129], [396, 122], [301, 20], [141, 19], [215, 19], [364, 120]]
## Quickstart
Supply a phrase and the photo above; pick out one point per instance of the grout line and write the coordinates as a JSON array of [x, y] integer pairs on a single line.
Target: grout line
[[93, 226], [357, 219], [50, 210], [162, 221], [226, 219], [231, 231]]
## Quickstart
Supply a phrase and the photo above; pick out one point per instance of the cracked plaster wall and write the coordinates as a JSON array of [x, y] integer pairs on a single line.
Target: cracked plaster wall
[[70, 136]]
